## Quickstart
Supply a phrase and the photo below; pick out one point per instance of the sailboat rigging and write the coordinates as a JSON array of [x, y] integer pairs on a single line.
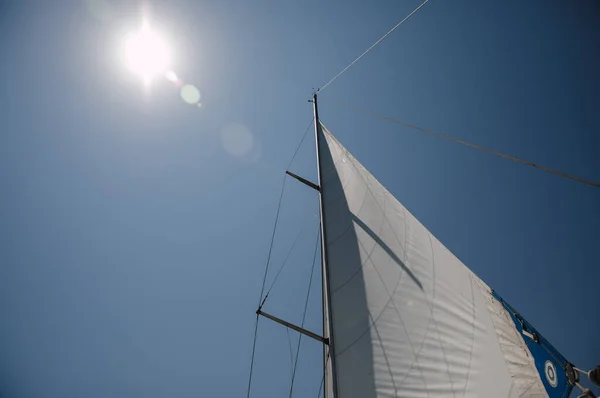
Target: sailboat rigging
[[402, 316]]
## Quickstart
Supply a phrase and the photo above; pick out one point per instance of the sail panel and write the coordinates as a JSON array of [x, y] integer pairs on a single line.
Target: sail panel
[[408, 317]]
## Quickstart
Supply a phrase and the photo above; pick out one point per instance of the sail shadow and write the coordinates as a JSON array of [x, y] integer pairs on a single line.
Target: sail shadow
[[387, 249], [351, 319]]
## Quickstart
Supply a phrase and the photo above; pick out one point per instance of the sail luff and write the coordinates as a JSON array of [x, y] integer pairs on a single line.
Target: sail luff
[[329, 376]]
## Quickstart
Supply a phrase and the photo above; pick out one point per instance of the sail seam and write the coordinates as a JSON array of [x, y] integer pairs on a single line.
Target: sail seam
[[371, 316], [415, 354], [472, 337], [416, 360], [390, 299], [408, 270], [350, 224], [431, 303], [348, 228], [432, 310], [387, 362]]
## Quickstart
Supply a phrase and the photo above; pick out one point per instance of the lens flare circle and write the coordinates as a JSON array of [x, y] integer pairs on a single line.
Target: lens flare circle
[[237, 139], [190, 94]]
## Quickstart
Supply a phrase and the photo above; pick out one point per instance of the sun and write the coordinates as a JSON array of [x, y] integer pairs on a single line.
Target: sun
[[147, 53]]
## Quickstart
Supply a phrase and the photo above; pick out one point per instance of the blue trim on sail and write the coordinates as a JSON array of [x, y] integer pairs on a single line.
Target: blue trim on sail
[[549, 363]]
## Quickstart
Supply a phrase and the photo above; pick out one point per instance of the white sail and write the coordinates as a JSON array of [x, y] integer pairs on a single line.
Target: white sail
[[408, 317]]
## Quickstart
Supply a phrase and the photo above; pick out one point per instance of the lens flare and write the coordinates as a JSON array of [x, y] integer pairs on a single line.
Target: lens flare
[[190, 94], [146, 54], [237, 139], [171, 76]]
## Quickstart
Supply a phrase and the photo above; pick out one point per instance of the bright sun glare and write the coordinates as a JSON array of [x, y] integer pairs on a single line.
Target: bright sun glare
[[146, 54]]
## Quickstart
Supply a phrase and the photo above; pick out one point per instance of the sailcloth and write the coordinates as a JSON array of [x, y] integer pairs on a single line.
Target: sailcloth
[[408, 318]]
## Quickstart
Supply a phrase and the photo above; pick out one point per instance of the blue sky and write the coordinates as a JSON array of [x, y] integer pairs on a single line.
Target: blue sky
[[135, 231]]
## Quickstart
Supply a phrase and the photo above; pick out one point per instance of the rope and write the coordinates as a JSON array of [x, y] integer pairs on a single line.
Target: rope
[[312, 271], [301, 141], [252, 357], [262, 302], [291, 353], [262, 289], [323, 378], [283, 264], [449, 138], [373, 45]]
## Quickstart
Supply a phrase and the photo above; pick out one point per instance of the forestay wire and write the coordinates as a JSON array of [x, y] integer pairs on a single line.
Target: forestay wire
[[324, 375], [287, 256], [301, 141], [491, 151], [262, 289], [287, 330], [312, 271], [372, 46]]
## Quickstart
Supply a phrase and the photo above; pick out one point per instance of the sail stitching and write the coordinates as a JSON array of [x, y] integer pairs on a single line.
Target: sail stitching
[[387, 362], [435, 321], [472, 337], [344, 184], [418, 354], [415, 354], [431, 304], [351, 158], [346, 230], [406, 231], [350, 225], [416, 360], [374, 319], [368, 260], [357, 271], [390, 299], [407, 269]]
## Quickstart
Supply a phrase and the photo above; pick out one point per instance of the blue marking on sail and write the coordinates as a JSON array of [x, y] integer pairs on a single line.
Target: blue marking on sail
[[549, 363]]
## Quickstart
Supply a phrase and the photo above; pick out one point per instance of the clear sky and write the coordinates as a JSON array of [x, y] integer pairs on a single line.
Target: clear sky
[[135, 227]]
